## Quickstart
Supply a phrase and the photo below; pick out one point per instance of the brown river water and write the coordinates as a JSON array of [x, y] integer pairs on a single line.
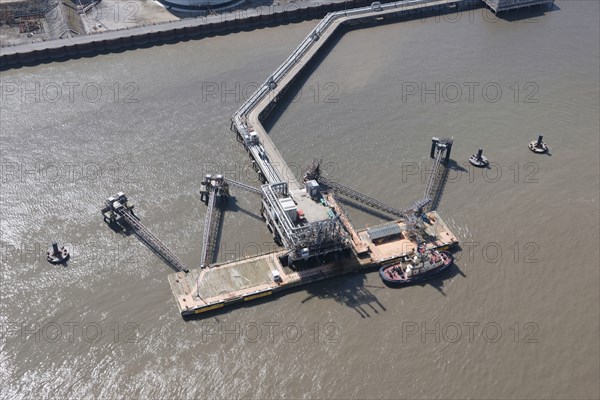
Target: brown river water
[[517, 318]]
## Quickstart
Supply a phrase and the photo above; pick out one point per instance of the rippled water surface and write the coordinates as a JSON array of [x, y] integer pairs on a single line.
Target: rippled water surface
[[518, 317]]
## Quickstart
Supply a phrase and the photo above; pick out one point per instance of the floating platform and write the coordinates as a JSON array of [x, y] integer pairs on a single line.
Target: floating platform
[[208, 289]]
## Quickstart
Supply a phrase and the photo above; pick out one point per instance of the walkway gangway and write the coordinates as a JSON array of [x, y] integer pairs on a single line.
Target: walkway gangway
[[440, 151], [209, 236], [243, 186], [213, 187], [314, 173], [360, 197], [117, 210]]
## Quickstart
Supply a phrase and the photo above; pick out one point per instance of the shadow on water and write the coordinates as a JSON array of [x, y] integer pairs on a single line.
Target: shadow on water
[[294, 90], [233, 207], [455, 266], [532, 12], [454, 166], [295, 87], [366, 209], [156, 252], [349, 290], [116, 228], [229, 206], [437, 282], [126, 231]]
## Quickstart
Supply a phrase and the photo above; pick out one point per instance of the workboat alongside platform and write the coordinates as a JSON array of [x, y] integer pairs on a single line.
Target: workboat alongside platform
[[305, 216], [421, 266], [260, 276]]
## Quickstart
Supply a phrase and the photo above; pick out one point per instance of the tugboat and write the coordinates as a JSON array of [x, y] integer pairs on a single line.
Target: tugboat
[[423, 265]]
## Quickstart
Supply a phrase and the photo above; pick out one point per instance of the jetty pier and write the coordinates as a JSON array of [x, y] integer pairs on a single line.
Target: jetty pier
[[317, 239]]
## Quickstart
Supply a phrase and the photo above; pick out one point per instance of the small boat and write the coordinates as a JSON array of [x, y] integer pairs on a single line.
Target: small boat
[[424, 264]]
